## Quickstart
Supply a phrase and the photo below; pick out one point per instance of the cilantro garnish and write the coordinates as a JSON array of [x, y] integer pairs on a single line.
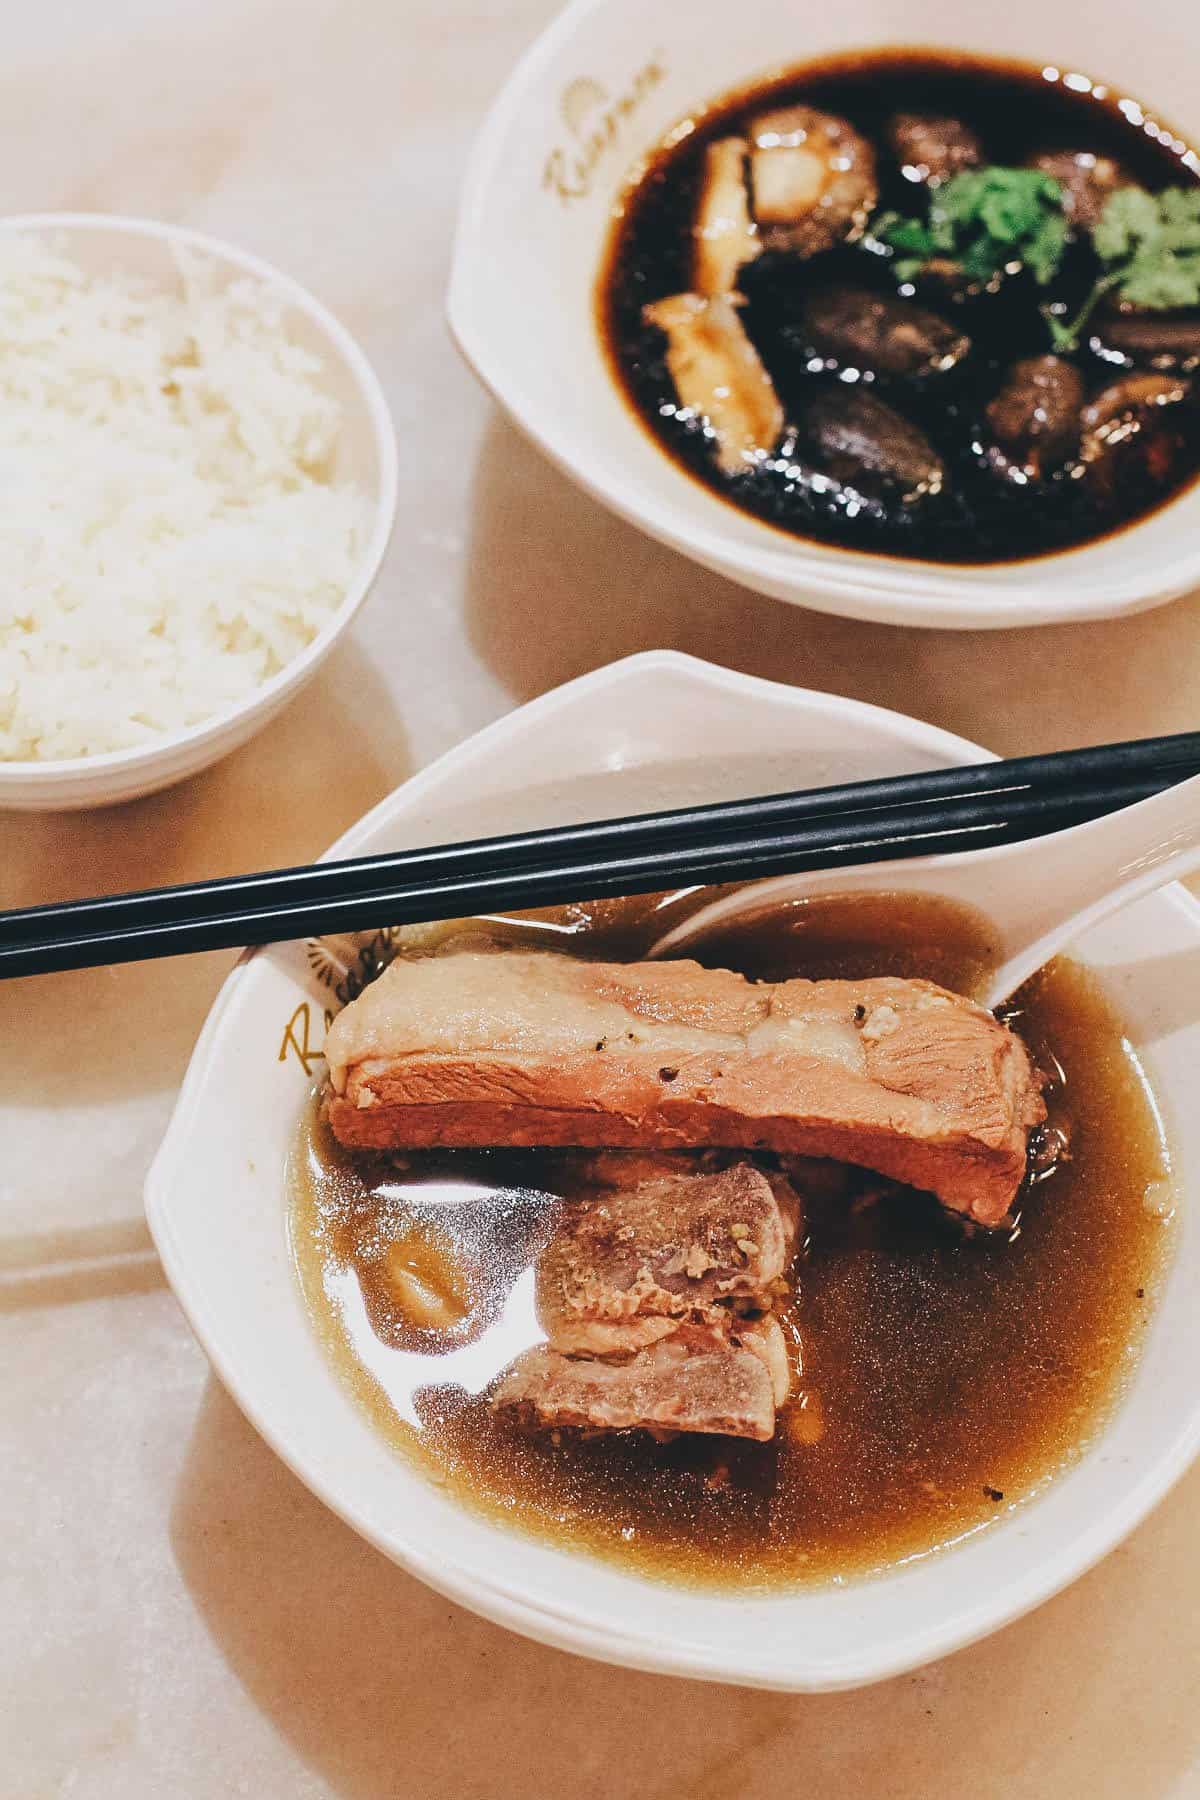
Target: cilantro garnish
[[1148, 246], [984, 220], [981, 221]]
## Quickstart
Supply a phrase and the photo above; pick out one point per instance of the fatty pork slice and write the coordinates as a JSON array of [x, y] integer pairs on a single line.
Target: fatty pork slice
[[901, 1077]]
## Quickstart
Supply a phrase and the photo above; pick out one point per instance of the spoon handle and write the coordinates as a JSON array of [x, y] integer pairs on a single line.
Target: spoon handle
[[1090, 871]]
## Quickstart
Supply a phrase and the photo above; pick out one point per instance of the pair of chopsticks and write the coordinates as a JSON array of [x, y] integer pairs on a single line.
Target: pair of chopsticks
[[939, 811]]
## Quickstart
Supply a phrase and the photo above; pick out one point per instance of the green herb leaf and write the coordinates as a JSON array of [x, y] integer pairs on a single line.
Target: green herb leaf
[[1162, 283], [1130, 216], [982, 220], [1149, 250], [1179, 209], [961, 198], [1062, 331], [1046, 246], [982, 258], [904, 234], [1065, 333]]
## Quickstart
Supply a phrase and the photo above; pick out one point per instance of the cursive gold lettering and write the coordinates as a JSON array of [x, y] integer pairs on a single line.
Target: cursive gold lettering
[[555, 176], [570, 176], [297, 1038]]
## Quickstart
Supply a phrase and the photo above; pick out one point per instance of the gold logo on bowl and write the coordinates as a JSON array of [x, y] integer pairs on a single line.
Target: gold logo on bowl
[[595, 121]]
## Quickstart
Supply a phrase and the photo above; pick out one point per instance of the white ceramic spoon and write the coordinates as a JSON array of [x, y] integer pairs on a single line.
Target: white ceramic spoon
[[1037, 895]]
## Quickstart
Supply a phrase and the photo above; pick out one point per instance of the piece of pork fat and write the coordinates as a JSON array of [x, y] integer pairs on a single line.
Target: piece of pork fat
[[724, 235], [719, 374], [533, 1048], [655, 1299]]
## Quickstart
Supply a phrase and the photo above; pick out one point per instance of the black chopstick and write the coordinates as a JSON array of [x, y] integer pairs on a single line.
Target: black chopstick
[[1165, 759], [757, 848]]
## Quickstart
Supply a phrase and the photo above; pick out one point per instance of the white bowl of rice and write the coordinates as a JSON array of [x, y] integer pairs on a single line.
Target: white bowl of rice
[[197, 486]]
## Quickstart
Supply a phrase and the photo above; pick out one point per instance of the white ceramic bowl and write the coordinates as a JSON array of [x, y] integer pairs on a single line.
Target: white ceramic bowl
[[366, 456], [655, 730], [598, 91]]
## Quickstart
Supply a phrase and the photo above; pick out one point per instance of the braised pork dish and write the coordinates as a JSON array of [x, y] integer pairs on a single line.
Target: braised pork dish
[[930, 306], [782, 1264]]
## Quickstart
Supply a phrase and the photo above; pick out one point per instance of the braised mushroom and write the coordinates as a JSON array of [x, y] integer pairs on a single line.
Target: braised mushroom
[[718, 373], [812, 180], [931, 148], [1087, 181], [1134, 435], [1140, 338], [851, 327], [866, 445], [1034, 418], [724, 235]]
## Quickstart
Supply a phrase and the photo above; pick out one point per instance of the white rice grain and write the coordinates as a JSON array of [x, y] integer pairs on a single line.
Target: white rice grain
[[170, 533]]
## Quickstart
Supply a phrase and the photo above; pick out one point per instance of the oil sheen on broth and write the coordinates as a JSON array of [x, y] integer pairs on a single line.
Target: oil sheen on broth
[[942, 1377], [992, 506]]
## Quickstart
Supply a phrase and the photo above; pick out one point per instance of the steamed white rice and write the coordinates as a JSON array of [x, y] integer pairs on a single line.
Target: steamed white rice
[[170, 535]]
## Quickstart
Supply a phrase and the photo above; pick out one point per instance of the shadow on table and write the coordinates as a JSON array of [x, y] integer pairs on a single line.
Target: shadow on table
[[557, 585], [84, 1262], [388, 1690], [94, 1035]]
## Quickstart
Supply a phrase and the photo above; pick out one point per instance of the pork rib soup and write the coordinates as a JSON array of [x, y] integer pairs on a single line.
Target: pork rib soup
[[665, 1260]]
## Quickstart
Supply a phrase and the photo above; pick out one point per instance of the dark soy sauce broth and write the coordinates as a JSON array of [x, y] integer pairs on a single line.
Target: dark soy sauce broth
[[942, 1377], [1016, 111]]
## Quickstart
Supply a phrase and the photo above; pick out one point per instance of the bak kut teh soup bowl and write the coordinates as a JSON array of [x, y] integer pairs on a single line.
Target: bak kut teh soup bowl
[[595, 97], [657, 730]]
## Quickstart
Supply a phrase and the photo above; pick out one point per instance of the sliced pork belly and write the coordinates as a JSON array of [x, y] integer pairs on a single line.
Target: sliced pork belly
[[529, 1048], [717, 1387]]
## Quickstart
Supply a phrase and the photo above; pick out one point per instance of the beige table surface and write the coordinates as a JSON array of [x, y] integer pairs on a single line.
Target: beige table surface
[[178, 1617]]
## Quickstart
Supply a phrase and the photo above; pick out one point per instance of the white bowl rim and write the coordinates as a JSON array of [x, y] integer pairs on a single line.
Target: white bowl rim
[[871, 586], [492, 1596], [47, 771]]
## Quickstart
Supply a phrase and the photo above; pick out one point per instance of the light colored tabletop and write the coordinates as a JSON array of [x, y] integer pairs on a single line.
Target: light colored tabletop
[[178, 1617]]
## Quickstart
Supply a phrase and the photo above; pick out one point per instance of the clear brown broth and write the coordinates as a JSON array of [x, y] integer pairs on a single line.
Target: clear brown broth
[[942, 1378]]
